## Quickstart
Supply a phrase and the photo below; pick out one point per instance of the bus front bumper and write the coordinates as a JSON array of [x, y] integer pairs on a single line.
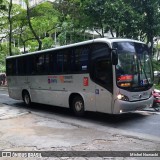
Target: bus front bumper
[[125, 106]]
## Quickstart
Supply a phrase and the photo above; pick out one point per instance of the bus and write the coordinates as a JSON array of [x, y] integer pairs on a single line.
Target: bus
[[102, 75]]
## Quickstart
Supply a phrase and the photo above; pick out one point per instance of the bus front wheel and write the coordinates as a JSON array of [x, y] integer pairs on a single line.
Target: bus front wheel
[[26, 98], [78, 106]]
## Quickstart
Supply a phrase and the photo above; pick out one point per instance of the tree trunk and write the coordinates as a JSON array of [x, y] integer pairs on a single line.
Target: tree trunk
[[10, 27], [158, 55], [31, 28], [24, 44], [111, 32], [150, 40]]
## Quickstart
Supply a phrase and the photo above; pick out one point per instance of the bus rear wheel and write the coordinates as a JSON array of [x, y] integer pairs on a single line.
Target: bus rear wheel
[[26, 98], [78, 106]]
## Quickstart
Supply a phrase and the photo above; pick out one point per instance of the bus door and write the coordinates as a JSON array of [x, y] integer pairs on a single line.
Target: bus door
[[101, 74]]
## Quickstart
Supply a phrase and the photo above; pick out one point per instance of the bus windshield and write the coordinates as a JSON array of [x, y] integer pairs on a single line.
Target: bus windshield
[[134, 68]]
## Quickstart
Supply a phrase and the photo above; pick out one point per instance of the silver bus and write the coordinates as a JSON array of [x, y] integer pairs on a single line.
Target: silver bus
[[101, 75]]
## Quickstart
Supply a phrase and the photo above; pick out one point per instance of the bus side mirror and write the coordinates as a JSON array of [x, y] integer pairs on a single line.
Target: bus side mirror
[[114, 56]]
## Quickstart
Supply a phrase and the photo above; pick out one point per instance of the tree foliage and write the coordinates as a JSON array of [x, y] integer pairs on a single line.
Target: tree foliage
[[149, 26], [70, 21]]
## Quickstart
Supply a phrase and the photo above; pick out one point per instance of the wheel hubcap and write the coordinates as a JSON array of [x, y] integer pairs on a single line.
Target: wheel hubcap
[[78, 106], [26, 99]]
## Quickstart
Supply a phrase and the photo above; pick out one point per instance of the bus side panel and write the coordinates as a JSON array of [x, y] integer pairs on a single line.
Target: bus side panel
[[103, 100], [48, 90], [15, 86], [83, 85], [41, 91], [50, 97], [56, 89]]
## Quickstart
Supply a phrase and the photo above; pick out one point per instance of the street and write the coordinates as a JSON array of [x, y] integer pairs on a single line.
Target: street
[[47, 128]]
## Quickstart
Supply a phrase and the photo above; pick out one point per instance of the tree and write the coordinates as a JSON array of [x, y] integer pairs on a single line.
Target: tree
[[2, 5], [4, 54], [101, 16], [149, 22], [95, 14], [73, 21], [43, 20], [115, 16], [31, 27], [3, 18], [7, 19], [10, 27]]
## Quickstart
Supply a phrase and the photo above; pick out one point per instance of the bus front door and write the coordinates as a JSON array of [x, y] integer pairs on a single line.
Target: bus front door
[[104, 84], [103, 100]]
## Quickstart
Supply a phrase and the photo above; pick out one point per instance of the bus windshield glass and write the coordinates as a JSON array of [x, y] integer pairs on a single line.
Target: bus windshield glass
[[134, 68]]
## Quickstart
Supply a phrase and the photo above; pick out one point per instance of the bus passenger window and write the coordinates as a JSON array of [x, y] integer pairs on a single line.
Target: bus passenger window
[[40, 64], [66, 61], [103, 71], [81, 59], [59, 63], [11, 70], [46, 63], [53, 63]]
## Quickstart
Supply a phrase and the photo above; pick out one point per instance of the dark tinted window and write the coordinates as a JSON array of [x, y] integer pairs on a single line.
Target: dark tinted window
[[72, 60], [47, 66], [101, 66], [40, 64], [81, 58], [59, 62], [52, 63], [21, 63], [124, 46], [11, 67], [67, 60]]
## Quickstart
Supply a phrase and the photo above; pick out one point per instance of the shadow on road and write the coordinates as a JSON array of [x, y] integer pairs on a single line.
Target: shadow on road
[[109, 119]]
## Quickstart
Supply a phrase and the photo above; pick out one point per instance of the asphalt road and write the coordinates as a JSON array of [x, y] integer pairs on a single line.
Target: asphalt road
[[47, 128], [143, 123]]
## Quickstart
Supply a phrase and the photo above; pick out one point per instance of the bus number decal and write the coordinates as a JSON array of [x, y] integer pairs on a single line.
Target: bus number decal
[[85, 81]]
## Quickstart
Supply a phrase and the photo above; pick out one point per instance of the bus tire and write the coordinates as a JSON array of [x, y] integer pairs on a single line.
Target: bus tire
[[78, 106], [26, 98]]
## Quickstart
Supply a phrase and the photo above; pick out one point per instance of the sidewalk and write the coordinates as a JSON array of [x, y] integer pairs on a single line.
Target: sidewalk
[[23, 130]]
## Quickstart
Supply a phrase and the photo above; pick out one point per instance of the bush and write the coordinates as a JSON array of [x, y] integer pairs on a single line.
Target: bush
[[156, 65], [156, 86]]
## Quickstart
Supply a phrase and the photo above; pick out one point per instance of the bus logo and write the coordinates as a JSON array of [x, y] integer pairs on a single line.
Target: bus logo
[[61, 79], [52, 79], [85, 81]]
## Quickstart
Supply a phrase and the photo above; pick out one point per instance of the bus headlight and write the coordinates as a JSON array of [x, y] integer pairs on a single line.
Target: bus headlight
[[122, 97]]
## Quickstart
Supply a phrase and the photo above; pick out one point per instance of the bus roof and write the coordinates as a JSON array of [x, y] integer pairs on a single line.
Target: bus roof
[[109, 41]]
